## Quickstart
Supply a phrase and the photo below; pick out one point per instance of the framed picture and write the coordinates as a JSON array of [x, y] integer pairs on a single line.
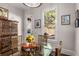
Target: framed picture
[[37, 23], [65, 19], [3, 12]]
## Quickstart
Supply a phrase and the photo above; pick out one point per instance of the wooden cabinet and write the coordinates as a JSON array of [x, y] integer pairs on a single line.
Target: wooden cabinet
[[13, 28], [8, 37], [5, 41], [14, 41]]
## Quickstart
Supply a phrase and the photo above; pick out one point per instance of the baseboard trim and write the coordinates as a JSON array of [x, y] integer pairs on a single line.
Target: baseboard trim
[[68, 52]]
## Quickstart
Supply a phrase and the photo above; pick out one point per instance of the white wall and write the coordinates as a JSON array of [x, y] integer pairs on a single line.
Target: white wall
[[14, 14], [66, 33], [77, 36], [38, 13], [27, 25]]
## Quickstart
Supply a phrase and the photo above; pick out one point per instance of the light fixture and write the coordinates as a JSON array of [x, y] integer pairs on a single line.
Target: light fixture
[[32, 4]]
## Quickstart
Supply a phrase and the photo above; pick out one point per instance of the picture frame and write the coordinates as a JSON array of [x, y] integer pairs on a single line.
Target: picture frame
[[65, 19], [4, 12], [38, 23]]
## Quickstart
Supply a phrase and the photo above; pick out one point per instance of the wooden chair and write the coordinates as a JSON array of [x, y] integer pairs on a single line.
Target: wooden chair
[[58, 49], [42, 41]]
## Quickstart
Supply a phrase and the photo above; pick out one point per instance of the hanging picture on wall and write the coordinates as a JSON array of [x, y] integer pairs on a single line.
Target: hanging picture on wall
[[3, 12], [49, 22], [38, 23], [65, 19]]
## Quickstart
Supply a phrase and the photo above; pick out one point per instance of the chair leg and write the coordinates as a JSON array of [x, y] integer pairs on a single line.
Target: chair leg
[[57, 52]]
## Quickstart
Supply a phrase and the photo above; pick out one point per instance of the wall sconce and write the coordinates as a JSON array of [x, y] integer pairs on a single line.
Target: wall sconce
[[29, 19]]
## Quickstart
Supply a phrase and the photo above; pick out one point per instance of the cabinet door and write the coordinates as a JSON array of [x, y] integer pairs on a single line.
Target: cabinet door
[[0, 43], [0, 31], [0, 23], [5, 27], [14, 27], [0, 27], [14, 41], [5, 42]]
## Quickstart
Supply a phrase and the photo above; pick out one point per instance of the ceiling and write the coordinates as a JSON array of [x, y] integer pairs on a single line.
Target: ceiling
[[19, 5]]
